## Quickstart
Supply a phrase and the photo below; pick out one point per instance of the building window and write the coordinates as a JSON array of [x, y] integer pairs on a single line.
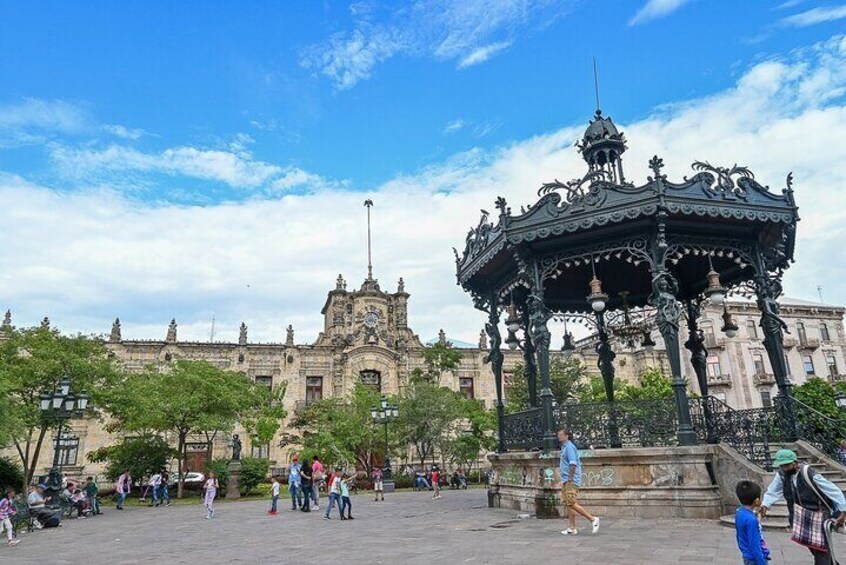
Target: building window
[[800, 329], [752, 329], [710, 340], [808, 362], [260, 451], [714, 369], [824, 335], [831, 362], [766, 399], [372, 379], [265, 380], [68, 448], [758, 361], [314, 389], [465, 386]]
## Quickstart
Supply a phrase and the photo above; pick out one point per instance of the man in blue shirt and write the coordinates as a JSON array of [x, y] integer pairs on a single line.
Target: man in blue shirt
[[571, 480], [295, 485]]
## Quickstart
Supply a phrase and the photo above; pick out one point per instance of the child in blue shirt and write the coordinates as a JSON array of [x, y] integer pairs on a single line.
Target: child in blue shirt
[[750, 541]]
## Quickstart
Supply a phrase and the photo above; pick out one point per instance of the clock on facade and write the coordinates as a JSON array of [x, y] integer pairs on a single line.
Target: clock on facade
[[371, 319]]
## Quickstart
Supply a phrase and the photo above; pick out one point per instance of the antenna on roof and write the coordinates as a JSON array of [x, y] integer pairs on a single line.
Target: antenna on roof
[[819, 291], [596, 85], [369, 204]]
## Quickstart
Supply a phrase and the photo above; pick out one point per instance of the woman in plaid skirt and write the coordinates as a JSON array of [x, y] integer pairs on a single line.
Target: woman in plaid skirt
[[815, 505]]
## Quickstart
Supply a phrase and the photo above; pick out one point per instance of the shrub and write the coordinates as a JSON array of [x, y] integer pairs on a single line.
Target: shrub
[[10, 474], [141, 456], [253, 472]]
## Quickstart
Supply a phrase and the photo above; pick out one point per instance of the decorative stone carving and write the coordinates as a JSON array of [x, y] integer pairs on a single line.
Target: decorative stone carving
[[289, 337], [171, 331], [242, 334], [401, 286], [442, 340], [7, 320], [483, 340], [45, 323], [114, 336], [340, 284]]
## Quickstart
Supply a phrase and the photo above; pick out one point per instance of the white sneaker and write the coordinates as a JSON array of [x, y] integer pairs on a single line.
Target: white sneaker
[[14, 541], [37, 525], [315, 507], [570, 532], [594, 526]]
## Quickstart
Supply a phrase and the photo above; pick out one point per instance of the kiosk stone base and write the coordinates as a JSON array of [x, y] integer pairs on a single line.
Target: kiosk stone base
[[660, 482]]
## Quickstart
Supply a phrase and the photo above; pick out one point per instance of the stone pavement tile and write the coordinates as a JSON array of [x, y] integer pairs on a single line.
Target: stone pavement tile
[[408, 528]]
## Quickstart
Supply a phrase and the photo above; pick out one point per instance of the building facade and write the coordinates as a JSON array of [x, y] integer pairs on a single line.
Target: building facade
[[367, 339]]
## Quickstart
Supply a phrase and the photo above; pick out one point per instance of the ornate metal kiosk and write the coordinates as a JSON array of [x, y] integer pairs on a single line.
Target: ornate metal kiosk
[[632, 258]]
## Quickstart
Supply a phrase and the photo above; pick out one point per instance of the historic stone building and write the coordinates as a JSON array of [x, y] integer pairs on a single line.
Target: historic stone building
[[367, 339]]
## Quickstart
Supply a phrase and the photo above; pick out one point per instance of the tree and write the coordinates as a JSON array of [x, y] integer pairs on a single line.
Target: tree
[[428, 415], [438, 358], [820, 395], [141, 456], [341, 431], [652, 385], [184, 399], [567, 377], [32, 362], [264, 419], [472, 438]]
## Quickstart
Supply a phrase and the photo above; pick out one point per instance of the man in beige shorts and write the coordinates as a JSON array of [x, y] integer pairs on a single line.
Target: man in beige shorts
[[571, 479]]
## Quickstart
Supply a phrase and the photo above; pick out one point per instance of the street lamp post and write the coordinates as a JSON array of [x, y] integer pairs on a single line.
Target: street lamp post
[[383, 414], [60, 406]]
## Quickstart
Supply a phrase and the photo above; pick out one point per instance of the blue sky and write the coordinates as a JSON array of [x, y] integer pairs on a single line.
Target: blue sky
[[142, 124]]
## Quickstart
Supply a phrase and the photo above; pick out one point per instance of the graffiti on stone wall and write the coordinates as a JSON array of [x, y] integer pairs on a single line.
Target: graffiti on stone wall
[[604, 477]]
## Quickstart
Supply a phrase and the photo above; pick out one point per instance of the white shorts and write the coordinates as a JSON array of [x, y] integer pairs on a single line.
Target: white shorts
[[377, 485]]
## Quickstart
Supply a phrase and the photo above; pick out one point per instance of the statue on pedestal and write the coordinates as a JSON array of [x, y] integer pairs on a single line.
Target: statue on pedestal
[[236, 448]]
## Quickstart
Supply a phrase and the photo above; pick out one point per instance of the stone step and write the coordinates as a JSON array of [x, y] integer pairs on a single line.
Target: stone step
[[771, 523]]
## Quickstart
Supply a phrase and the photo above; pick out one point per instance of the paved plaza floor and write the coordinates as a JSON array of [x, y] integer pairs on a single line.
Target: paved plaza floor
[[406, 528]]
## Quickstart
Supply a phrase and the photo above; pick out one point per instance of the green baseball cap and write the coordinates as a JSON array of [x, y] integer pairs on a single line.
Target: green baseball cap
[[784, 457]]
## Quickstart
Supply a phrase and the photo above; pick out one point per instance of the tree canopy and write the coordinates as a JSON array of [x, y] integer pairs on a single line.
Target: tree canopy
[[188, 398], [32, 362], [341, 431], [438, 358], [568, 380]]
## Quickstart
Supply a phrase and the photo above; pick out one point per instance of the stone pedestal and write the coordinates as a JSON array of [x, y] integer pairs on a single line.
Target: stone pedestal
[[233, 487], [672, 482]]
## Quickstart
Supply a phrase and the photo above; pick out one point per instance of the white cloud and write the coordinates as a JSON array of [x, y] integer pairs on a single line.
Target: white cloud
[[33, 121], [84, 257], [656, 9], [124, 132], [235, 166], [471, 32], [482, 54], [454, 126], [816, 16]]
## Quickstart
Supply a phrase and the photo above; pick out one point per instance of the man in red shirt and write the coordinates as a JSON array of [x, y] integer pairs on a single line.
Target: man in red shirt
[[436, 482]]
